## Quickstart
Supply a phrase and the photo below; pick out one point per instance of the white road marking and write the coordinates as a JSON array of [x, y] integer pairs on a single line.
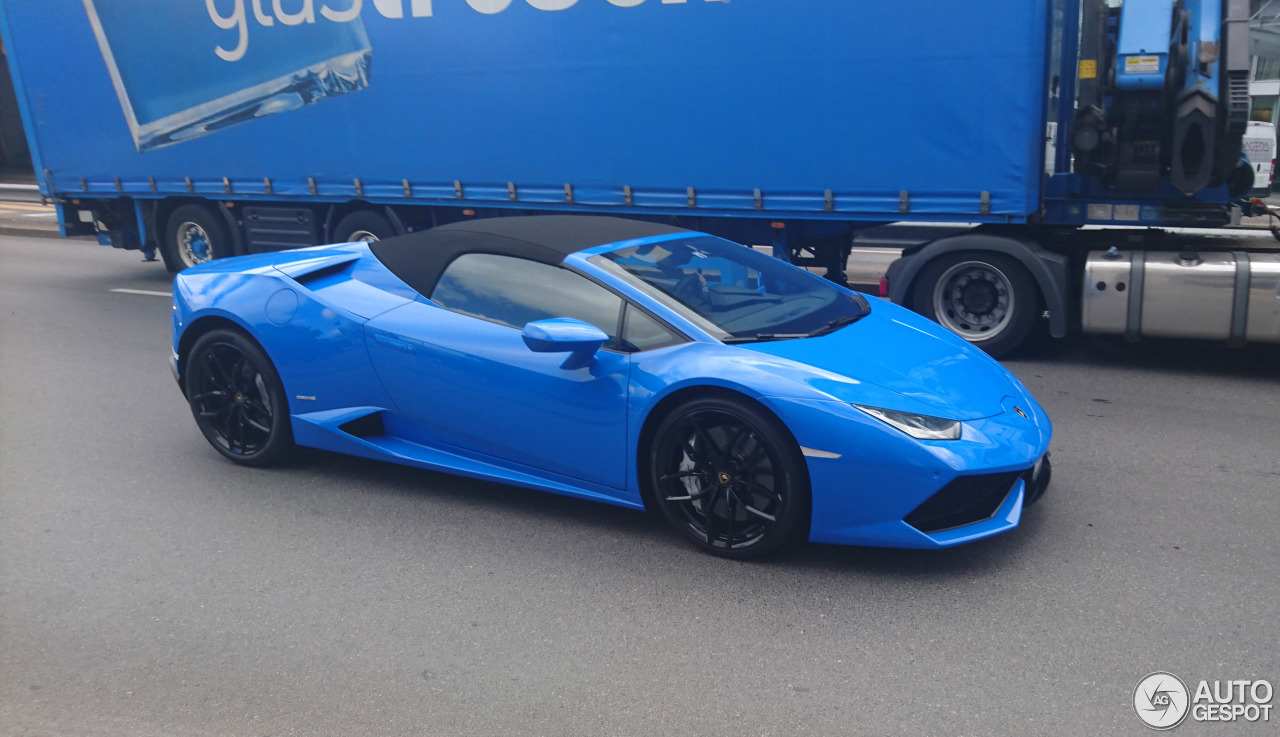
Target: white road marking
[[143, 291]]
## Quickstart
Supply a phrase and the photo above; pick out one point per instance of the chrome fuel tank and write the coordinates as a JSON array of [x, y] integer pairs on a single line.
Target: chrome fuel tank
[[1263, 322], [1229, 296]]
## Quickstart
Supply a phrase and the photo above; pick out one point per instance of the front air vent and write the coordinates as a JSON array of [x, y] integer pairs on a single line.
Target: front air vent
[[965, 500]]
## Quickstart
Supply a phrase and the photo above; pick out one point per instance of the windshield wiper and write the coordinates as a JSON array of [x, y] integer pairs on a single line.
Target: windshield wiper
[[836, 324], [830, 327], [760, 337]]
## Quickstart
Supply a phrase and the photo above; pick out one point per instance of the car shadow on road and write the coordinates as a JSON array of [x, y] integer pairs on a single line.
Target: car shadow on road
[[608, 530]]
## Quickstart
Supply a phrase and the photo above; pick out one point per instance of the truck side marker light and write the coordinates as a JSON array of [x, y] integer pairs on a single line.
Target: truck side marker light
[[884, 286], [469, 213], [778, 226]]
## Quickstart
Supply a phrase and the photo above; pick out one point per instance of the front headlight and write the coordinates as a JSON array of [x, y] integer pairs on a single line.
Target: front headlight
[[921, 427]]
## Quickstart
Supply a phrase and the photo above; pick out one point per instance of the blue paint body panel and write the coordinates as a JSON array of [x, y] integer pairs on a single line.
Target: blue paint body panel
[[460, 394]]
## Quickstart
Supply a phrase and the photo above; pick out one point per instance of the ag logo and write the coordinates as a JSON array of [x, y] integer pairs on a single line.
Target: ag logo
[[1161, 700]]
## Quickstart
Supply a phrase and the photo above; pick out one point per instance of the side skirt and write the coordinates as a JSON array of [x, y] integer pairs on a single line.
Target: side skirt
[[322, 430]]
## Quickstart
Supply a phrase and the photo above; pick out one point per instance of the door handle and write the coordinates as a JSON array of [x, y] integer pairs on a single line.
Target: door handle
[[399, 346]]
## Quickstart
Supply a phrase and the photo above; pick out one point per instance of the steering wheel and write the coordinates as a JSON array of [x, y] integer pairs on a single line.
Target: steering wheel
[[690, 288]]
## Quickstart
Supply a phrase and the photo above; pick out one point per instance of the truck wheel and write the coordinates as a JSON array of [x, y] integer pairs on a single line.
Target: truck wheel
[[362, 226], [195, 234], [988, 299]]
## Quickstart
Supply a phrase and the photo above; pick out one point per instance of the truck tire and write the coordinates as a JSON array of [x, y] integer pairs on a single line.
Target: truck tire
[[194, 234], [988, 299], [363, 225]]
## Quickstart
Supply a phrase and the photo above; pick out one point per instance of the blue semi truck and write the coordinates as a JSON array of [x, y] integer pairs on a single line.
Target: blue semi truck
[[201, 130]]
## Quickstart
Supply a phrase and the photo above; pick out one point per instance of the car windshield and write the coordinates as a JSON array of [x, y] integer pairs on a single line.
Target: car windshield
[[734, 292]]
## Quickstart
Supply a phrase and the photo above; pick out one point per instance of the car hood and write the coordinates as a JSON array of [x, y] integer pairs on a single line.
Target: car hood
[[899, 351]]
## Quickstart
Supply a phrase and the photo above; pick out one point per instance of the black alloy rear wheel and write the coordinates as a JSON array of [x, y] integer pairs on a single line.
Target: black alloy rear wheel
[[237, 399], [730, 478]]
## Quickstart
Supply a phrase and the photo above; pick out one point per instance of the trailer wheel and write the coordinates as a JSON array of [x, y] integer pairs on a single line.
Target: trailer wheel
[[363, 225], [988, 299], [194, 234]]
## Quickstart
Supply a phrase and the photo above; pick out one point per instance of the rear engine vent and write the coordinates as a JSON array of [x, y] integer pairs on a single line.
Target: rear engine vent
[[325, 271], [965, 500], [369, 426]]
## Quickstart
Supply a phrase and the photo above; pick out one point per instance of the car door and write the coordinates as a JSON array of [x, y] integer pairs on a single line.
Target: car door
[[460, 371]]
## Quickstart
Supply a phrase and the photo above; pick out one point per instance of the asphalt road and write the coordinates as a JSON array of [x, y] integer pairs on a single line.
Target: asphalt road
[[148, 587]]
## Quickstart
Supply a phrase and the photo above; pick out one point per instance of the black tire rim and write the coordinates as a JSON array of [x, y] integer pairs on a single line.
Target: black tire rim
[[721, 477], [231, 400]]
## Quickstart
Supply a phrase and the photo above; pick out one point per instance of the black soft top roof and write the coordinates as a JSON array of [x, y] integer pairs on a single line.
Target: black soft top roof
[[419, 258]]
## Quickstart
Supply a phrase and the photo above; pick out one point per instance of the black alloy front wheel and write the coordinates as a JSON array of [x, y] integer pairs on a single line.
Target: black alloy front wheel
[[730, 478], [237, 399]]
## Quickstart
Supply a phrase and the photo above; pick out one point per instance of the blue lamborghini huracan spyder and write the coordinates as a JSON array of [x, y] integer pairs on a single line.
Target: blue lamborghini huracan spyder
[[751, 403]]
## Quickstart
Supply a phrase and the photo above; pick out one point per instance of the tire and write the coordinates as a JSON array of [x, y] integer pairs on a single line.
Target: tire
[[363, 225], [195, 234], [989, 299], [237, 399], [730, 478]]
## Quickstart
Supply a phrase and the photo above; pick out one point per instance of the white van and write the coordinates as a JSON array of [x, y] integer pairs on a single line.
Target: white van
[[1260, 147]]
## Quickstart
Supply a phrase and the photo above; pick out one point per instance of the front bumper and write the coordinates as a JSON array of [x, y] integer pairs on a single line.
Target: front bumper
[[869, 478]]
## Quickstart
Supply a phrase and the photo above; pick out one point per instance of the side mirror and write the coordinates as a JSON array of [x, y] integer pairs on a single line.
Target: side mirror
[[565, 335]]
